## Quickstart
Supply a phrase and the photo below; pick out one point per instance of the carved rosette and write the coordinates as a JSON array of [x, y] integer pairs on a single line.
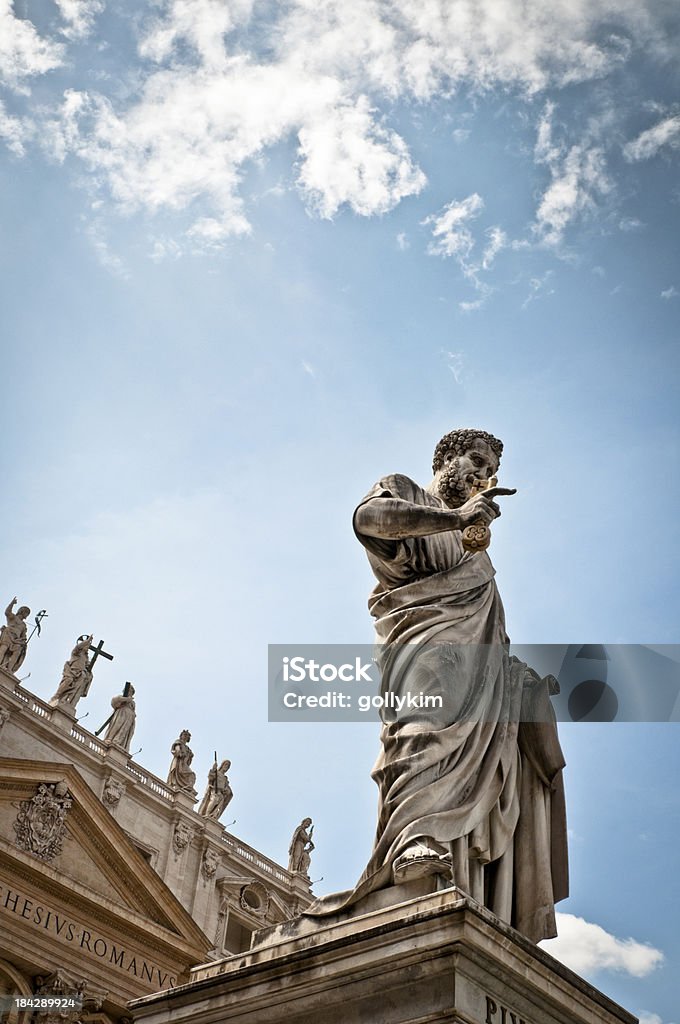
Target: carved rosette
[[41, 822], [255, 898]]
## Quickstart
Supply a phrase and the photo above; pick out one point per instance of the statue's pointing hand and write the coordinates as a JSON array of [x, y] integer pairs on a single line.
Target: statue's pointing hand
[[481, 508]]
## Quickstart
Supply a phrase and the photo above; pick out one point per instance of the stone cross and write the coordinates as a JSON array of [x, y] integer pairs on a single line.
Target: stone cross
[[96, 651]]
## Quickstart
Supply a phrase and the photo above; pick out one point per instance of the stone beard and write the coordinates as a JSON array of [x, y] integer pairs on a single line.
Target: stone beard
[[452, 485], [473, 786]]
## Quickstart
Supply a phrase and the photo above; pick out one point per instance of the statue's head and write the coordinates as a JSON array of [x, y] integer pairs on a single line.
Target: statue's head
[[225, 766], [185, 736], [23, 612], [462, 457], [306, 822]]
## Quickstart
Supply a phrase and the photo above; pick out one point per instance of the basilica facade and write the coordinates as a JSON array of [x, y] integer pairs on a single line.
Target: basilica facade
[[112, 884]]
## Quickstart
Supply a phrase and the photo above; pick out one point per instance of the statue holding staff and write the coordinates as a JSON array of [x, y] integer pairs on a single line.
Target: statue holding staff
[[218, 793], [301, 846]]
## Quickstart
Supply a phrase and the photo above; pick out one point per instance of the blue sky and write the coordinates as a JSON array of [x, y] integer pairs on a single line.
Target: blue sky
[[253, 257]]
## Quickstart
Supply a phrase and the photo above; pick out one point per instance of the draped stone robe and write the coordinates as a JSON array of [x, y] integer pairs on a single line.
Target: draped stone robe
[[472, 776]]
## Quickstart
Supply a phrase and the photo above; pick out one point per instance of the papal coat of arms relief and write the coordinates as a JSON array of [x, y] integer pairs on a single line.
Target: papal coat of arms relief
[[41, 822]]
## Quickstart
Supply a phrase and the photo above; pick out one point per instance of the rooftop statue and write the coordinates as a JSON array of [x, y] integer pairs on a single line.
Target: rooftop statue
[[474, 791], [13, 640], [120, 725], [181, 775], [218, 792], [76, 676], [301, 846]]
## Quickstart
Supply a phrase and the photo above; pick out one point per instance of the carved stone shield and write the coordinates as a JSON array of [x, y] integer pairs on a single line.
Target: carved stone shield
[[41, 822]]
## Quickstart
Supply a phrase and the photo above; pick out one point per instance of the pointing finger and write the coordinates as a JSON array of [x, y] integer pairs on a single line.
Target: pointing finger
[[493, 492]]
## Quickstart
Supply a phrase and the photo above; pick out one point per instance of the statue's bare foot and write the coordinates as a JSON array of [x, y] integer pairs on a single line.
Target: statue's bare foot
[[420, 861]]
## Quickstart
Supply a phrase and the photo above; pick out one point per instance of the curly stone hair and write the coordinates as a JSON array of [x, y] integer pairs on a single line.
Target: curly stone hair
[[459, 441]]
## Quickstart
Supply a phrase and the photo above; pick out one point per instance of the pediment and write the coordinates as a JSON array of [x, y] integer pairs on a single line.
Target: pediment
[[91, 861]]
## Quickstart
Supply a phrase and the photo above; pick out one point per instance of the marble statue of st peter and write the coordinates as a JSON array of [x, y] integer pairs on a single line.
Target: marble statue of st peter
[[475, 791]]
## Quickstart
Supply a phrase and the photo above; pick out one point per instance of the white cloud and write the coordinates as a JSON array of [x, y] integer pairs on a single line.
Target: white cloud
[[497, 240], [14, 131], [165, 249], [649, 142], [96, 234], [23, 52], [539, 286], [202, 24], [587, 948], [630, 224], [79, 16], [451, 236], [670, 293], [349, 158], [578, 177], [650, 1018], [455, 362], [218, 83], [472, 306], [402, 241]]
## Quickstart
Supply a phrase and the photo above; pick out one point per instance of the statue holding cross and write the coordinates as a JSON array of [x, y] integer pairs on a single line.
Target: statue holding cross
[[77, 674]]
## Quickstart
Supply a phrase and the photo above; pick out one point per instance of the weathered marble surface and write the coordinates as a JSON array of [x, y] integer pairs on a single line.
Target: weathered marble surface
[[434, 959], [470, 792]]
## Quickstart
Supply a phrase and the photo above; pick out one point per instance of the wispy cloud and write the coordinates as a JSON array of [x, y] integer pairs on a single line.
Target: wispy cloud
[[648, 143], [630, 224], [450, 233], [538, 288], [670, 293], [455, 362], [471, 306], [452, 236], [14, 131], [578, 177], [79, 16], [587, 948]]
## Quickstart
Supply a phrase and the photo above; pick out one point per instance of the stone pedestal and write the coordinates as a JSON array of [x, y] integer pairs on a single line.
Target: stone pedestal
[[433, 959]]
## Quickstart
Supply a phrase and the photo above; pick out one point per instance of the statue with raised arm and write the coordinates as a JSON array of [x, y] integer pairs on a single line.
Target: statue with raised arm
[[471, 792], [301, 846], [76, 676], [13, 637], [121, 724], [180, 775], [218, 792]]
